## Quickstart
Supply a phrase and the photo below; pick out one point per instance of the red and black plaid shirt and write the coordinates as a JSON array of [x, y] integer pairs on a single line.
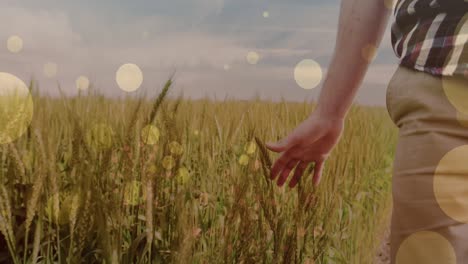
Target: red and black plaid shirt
[[431, 36]]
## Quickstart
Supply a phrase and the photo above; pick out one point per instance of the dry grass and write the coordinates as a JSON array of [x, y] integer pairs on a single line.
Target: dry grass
[[81, 186]]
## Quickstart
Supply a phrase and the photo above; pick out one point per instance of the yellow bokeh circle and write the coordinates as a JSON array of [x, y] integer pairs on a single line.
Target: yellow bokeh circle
[[168, 162], [266, 14], [455, 89], [150, 135], [253, 57], [450, 181], [133, 193], [426, 247], [250, 147], [308, 74], [176, 148], [15, 44], [16, 108], [100, 136], [368, 52], [183, 175], [244, 160], [390, 4], [50, 69], [59, 207], [462, 119], [82, 83], [129, 77]]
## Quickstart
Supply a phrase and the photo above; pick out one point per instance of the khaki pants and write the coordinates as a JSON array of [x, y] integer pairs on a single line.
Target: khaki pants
[[430, 178]]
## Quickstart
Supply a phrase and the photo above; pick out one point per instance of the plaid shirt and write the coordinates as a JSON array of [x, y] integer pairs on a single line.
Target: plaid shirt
[[431, 36]]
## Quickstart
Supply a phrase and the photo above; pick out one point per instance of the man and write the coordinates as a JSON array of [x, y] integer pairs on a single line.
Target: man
[[427, 99]]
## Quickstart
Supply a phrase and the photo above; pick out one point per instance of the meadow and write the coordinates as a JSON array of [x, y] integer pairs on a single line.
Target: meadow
[[170, 180]]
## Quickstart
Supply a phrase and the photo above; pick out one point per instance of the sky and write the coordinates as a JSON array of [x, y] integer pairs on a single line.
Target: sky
[[205, 42]]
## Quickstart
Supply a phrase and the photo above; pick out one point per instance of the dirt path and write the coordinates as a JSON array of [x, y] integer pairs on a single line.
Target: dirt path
[[383, 254]]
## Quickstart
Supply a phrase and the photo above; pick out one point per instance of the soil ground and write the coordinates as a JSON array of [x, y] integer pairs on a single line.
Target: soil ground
[[383, 253]]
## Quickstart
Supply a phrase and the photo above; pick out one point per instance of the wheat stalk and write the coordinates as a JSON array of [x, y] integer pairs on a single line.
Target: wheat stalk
[[6, 225], [19, 165], [264, 153], [159, 100], [37, 241]]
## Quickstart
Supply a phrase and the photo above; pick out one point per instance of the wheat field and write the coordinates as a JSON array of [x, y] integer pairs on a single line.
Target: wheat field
[[170, 180]]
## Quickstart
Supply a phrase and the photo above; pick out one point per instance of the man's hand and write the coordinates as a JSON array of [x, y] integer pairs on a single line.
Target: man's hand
[[311, 141], [362, 23]]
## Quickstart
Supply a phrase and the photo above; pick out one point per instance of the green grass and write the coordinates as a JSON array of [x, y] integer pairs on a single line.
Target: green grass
[[81, 186]]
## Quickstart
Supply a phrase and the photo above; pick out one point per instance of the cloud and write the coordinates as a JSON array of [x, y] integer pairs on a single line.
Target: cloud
[[46, 35], [196, 38], [46, 32], [49, 36]]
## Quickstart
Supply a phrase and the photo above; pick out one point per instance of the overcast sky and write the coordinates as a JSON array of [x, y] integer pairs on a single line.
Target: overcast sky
[[197, 38]]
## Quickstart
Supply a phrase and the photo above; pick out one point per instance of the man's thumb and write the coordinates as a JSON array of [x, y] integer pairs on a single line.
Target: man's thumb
[[279, 146]]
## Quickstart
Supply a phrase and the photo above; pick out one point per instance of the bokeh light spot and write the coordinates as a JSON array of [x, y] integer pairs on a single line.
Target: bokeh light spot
[[368, 52], [266, 14], [59, 206], [390, 4], [426, 247], [50, 69], [462, 119], [150, 135], [100, 136], [456, 92], [129, 77], [176, 148], [15, 44], [308, 74], [244, 160], [253, 57], [183, 175], [257, 165], [168, 162], [250, 147], [145, 34], [450, 181], [132, 193], [82, 83], [16, 108]]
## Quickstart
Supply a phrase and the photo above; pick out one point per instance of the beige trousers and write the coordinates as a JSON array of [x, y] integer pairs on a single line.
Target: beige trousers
[[430, 179]]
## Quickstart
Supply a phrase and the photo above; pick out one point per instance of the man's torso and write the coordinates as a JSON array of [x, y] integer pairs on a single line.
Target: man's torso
[[431, 35]]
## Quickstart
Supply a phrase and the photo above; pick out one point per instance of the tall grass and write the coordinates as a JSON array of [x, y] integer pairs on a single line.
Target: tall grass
[[82, 185]]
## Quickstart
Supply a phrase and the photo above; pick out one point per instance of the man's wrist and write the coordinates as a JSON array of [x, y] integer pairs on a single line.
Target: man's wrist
[[329, 113]]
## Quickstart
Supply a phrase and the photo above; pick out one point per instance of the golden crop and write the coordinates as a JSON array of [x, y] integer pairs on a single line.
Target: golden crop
[[180, 181]]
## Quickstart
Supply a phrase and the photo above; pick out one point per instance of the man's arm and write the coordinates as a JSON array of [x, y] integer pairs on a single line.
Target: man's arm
[[361, 24]]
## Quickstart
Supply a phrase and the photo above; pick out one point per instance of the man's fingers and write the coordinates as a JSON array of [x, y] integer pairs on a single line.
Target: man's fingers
[[285, 173], [278, 166], [318, 172], [282, 161], [298, 173]]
